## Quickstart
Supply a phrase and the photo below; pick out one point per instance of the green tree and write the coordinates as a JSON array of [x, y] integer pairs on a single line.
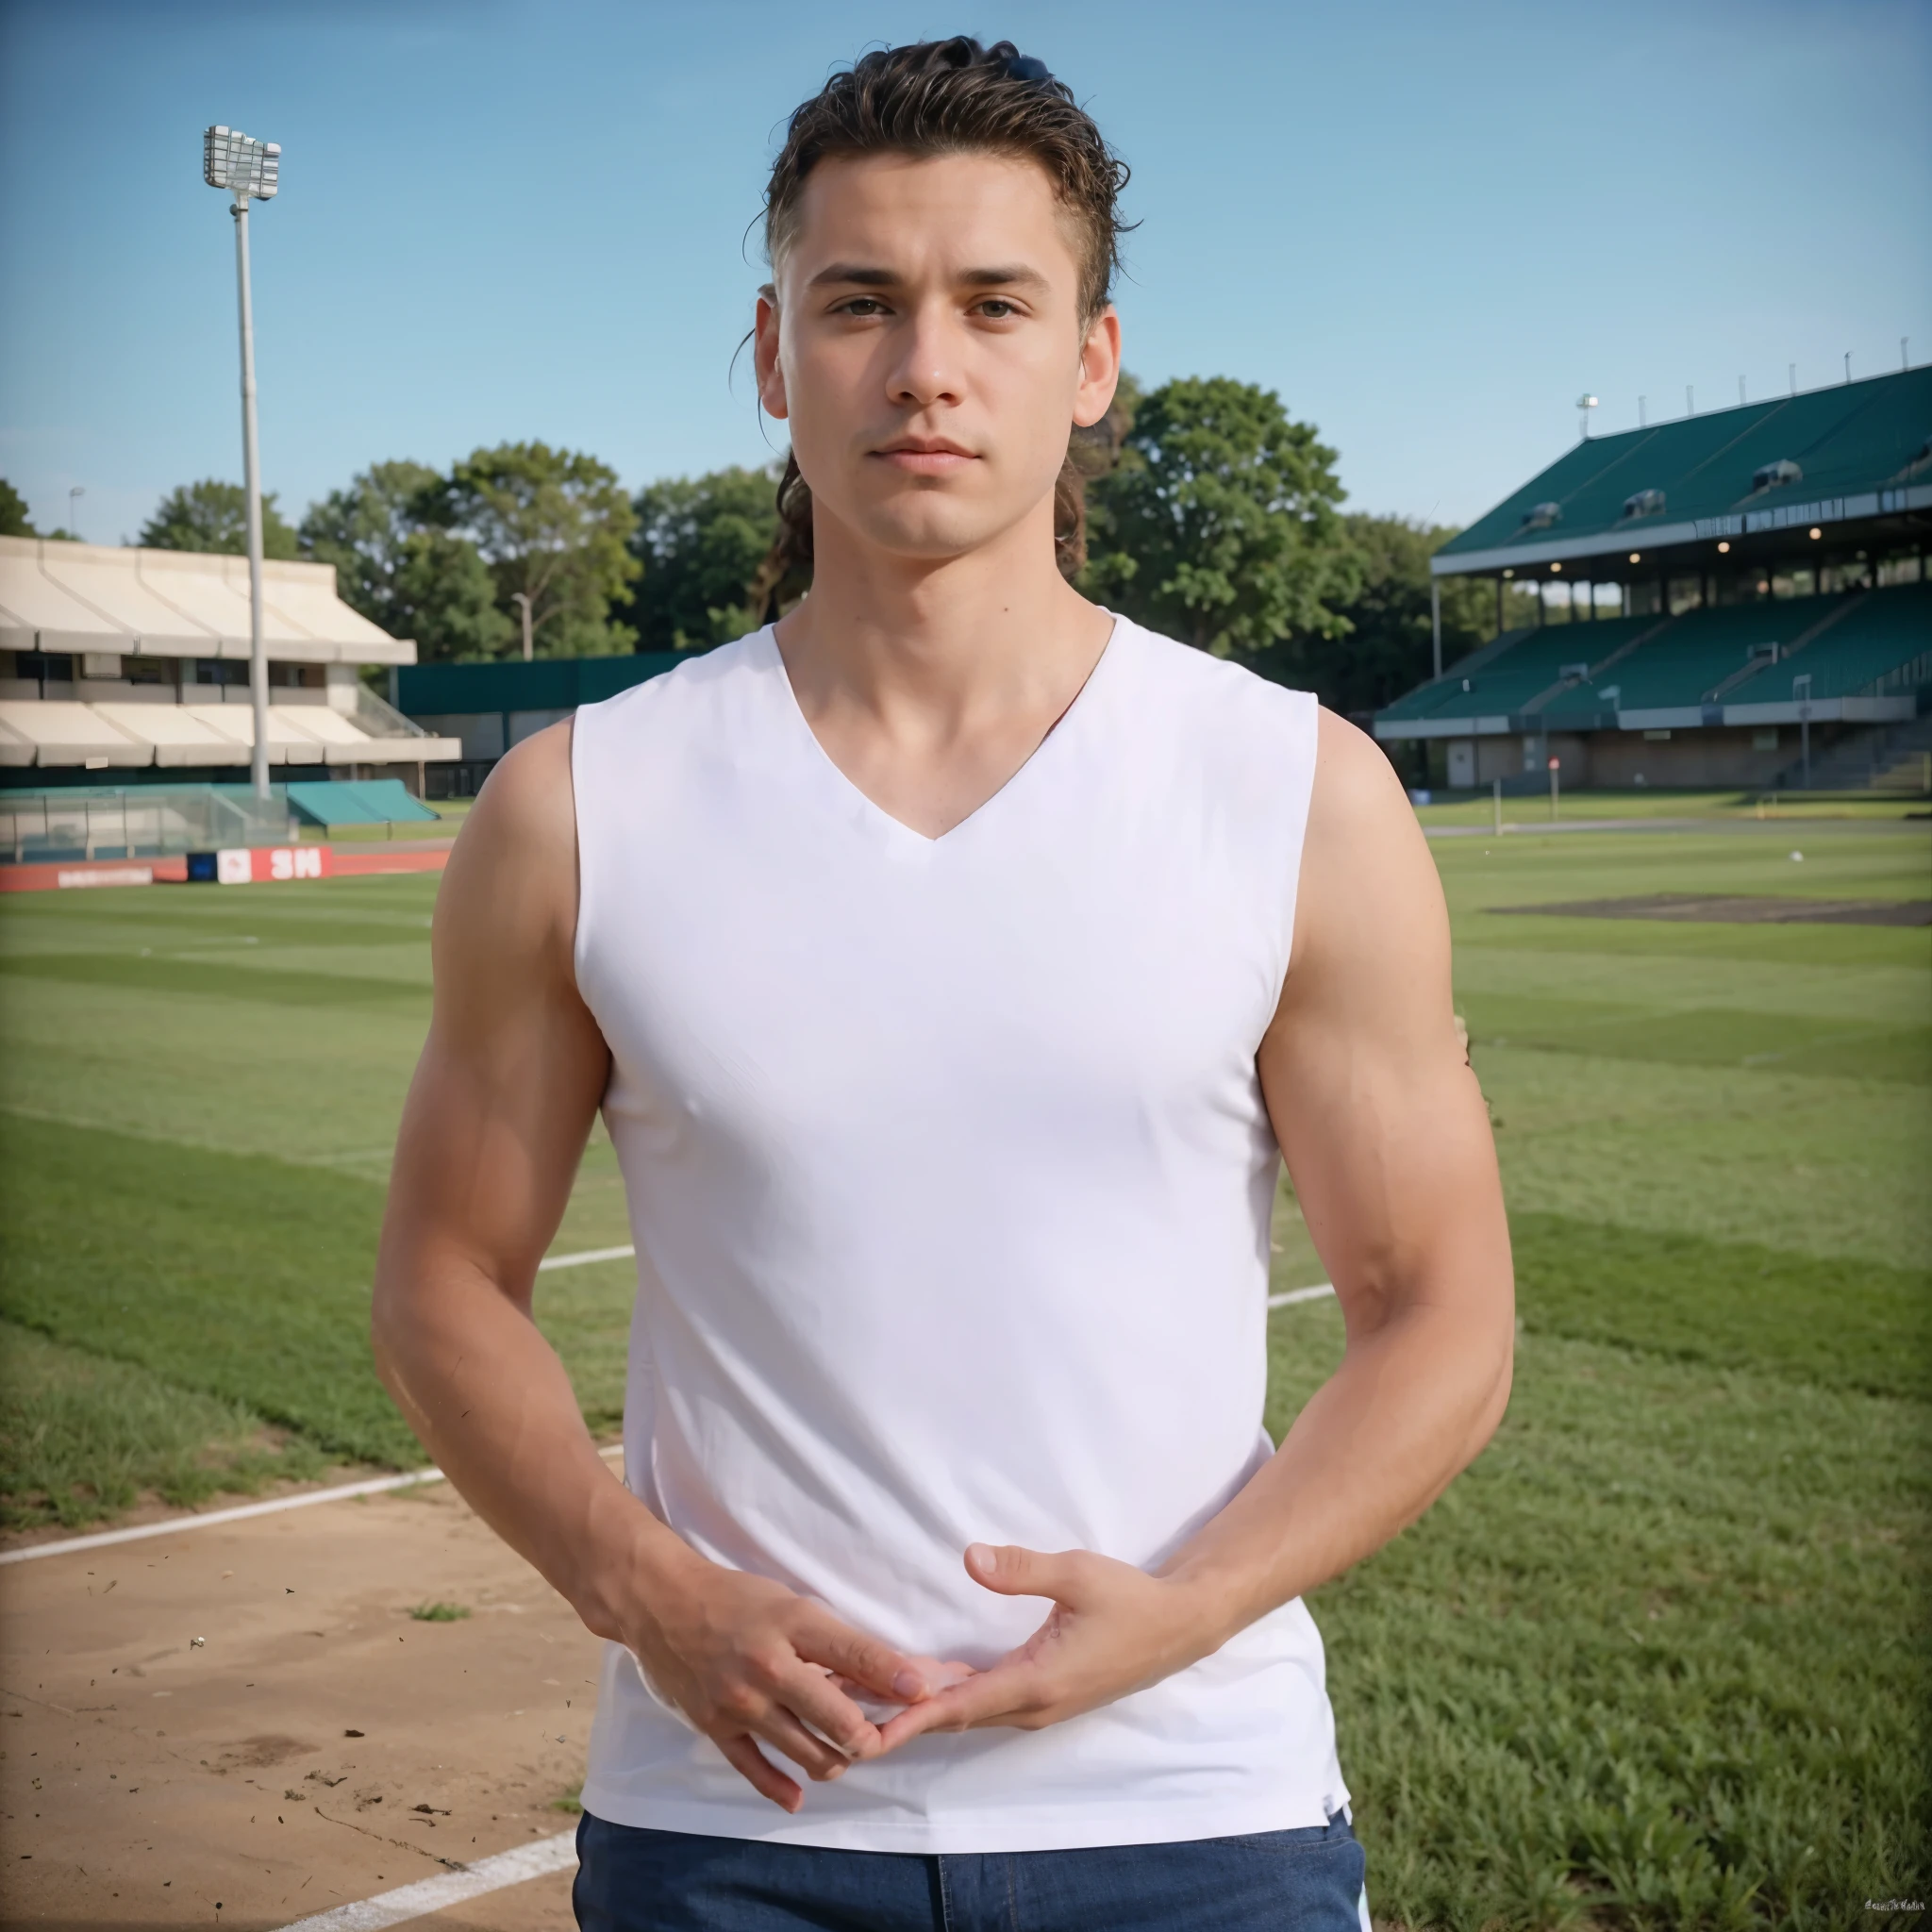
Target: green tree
[[13, 516], [401, 569], [1218, 524], [702, 543], [213, 516], [1389, 647], [554, 525]]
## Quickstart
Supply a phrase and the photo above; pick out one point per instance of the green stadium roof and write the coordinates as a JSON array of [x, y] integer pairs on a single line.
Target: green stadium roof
[[1863, 449]]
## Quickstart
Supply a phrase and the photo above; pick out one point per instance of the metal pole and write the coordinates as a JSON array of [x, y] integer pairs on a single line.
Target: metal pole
[[1496, 798], [522, 599], [251, 479], [1436, 620]]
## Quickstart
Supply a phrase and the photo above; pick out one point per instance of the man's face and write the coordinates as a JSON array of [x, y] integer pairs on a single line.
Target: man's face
[[927, 349]]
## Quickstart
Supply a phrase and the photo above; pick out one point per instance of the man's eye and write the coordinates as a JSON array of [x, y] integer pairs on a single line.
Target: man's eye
[[862, 304], [997, 308]]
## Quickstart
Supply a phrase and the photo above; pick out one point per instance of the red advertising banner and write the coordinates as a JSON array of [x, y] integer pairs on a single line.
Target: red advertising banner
[[260, 865]]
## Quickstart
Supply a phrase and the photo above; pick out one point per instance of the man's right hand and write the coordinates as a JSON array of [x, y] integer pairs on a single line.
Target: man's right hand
[[747, 1660]]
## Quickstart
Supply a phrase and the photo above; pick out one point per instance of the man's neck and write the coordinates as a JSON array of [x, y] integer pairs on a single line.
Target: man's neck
[[930, 684], [949, 641]]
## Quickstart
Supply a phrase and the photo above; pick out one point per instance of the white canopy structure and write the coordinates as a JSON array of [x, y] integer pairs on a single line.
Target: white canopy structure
[[85, 624], [67, 597]]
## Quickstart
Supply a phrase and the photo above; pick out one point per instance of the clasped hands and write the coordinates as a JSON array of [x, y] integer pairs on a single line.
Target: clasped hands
[[752, 1663]]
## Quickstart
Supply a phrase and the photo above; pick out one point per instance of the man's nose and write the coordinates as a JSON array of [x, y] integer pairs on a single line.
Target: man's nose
[[925, 367]]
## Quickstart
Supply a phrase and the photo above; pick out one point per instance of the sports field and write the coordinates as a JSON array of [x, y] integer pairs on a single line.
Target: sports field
[[1659, 1659]]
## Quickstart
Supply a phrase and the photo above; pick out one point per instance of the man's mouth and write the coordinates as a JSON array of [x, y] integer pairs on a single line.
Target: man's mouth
[[924, 456]]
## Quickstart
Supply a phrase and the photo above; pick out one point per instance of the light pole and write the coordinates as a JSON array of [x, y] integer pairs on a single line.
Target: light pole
[[521, 600], [1585, 404], [74, 495], [248, 170]]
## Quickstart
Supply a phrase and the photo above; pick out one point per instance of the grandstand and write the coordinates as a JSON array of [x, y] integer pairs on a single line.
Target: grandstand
[[1717, 597], [137, 661]]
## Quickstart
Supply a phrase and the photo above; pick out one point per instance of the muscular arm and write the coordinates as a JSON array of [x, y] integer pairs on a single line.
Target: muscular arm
[[1388, 1140], [497, 1116]]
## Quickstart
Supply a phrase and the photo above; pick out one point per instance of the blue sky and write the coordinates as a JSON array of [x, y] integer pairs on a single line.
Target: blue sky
[[1429, 227]]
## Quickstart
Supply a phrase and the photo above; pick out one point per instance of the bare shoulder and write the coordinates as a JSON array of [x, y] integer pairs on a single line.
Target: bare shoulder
[[1358, 798], [511, 883], [1369, 904]]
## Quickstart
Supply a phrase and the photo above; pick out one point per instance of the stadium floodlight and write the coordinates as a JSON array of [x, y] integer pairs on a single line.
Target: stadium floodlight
[[1585, 404], [249, 170]]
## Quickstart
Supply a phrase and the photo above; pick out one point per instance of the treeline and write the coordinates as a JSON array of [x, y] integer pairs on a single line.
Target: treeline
[[1212, 516]]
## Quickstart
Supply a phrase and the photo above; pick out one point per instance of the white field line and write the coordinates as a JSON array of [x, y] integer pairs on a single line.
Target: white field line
[[209, 1518], [1300, 1294], [549, 1261], [558, 1854]]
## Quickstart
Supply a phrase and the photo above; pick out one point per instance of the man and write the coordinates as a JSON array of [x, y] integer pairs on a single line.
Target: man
[[952, 964]]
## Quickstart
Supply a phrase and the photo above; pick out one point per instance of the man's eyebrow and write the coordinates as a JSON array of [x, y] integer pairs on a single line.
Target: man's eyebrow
[[1015, 275], [859, 275], [853, 274]]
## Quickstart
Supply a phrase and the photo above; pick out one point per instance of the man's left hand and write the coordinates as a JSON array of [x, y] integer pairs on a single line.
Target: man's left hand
[[1113, 1629]]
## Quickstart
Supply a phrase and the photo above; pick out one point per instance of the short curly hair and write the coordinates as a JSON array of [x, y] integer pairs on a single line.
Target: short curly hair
[[943, 97]]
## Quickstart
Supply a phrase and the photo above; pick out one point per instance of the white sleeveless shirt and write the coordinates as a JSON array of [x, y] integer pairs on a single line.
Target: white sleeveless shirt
[[950, 1180]]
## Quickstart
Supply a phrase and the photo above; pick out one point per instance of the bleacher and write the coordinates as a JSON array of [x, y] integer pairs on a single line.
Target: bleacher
[[1703, 515], [1506, 676], [1691, 657], [1846, 643], [1880, 634]]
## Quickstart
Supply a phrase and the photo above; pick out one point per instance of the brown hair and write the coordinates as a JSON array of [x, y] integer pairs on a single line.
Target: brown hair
[[939, 97]]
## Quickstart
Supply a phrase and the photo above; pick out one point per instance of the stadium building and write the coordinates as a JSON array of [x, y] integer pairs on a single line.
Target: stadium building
[[130, 666], [1733, 599]]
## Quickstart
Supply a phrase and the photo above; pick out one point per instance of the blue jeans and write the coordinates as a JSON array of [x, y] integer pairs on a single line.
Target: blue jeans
[[630, 1880]]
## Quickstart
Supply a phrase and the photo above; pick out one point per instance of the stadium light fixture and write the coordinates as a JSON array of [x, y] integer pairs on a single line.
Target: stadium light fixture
[[74, 497], [248, 170], [1585, 404]]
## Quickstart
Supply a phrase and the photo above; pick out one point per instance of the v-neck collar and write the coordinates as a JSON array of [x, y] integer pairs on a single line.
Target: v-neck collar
[[766, 641]]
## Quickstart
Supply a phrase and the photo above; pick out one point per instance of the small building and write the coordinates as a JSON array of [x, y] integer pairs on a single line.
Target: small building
[[137, 663], [1768, 603], [487, 707]]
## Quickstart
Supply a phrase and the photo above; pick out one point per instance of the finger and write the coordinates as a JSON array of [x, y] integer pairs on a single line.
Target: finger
[[813, 1697], [938, 1673], [989, 1697], [764, 1777], [1016, 1572], [824, 1639], [781, 1730]]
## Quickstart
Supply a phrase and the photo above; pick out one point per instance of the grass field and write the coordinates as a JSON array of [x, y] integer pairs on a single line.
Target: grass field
[[1659, 1660]]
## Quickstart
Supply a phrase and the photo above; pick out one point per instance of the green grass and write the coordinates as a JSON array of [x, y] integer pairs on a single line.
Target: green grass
[[440, 1613], [1659, 1660], [1656, 1658], [83, 1437], [1532, 809]]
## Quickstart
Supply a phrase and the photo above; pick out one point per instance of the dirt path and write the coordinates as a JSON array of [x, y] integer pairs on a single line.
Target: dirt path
[[317, 1745]]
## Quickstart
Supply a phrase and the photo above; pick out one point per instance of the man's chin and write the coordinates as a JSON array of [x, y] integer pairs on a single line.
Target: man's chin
[[928, 532]]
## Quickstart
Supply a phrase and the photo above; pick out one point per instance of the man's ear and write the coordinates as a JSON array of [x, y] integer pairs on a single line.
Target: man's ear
[[1100, 368], [765, 354]]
